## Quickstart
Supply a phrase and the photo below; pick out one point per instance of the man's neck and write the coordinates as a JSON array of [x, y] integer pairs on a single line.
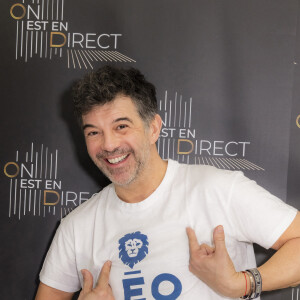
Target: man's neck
[[142, 188]]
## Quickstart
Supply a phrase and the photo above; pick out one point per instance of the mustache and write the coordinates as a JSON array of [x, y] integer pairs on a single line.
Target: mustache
[[104, 153]]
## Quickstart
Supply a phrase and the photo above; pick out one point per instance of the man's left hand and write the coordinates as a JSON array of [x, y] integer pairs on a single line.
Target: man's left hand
[[102, 291], [214, 266]]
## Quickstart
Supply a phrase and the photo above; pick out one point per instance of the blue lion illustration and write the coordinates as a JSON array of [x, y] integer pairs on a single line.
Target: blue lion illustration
[[133, 247]]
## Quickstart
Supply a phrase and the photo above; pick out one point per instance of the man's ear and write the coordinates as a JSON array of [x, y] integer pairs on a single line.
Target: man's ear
[[155, 127]]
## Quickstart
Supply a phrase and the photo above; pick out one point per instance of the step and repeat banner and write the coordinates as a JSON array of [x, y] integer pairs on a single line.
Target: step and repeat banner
[[227, 83]]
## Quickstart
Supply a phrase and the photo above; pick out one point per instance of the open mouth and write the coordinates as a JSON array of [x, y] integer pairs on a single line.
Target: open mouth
[[117, 160]]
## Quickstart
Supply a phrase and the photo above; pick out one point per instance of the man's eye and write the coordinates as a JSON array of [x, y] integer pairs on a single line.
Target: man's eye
[[122, 126], [92, 133]]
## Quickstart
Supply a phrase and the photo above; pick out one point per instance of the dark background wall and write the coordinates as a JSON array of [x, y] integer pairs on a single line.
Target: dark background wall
[[227, 81]]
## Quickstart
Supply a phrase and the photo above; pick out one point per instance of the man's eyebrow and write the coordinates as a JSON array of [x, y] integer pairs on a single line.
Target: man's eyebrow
[[114, 121], [88, 126], [123, 119]]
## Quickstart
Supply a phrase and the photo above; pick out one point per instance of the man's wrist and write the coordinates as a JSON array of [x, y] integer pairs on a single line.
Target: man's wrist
[[249, 282], [238, 286], [255, 284], [243, 285]]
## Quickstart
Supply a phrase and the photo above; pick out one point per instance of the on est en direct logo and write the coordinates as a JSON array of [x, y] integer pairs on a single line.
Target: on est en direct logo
[[35, 187], [178, 139], [42, 31]]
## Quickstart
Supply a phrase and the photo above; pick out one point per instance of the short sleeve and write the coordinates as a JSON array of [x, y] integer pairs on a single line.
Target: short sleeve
[[257, 215], [59, 269]]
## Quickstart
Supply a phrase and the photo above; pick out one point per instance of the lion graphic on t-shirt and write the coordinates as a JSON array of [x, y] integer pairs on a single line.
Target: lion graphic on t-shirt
[[133, 247]]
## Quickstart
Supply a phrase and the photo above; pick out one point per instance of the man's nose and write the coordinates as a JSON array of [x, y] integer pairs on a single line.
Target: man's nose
[[110, 142]]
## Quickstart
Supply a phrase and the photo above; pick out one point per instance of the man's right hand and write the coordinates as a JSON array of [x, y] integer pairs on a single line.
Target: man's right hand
[[102, 291]]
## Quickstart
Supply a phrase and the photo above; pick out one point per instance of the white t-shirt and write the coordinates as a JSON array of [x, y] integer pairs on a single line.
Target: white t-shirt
[[147, 241]]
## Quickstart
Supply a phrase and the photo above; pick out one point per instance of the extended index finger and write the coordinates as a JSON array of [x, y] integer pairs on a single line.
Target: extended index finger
[[104, 275], [193, 242]]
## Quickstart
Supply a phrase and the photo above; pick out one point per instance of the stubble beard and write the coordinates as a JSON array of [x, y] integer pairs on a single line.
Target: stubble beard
[[113, 173]]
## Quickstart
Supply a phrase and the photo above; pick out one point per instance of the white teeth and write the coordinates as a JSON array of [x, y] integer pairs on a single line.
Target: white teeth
[[117, 159]]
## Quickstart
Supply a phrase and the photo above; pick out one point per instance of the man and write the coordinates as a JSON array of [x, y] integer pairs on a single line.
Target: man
[[157, 231]]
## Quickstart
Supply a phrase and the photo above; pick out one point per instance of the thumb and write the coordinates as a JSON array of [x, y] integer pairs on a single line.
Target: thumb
[[87, 281], [219, 238]]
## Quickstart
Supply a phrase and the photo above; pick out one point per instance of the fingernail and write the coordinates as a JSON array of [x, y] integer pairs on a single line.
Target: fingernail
[[220, 229], [108, 262]]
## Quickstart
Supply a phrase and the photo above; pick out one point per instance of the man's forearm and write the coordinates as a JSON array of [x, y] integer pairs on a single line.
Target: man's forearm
[[282, 270]]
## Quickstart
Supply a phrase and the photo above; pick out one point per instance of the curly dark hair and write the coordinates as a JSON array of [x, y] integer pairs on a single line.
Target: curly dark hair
[[103, 85]]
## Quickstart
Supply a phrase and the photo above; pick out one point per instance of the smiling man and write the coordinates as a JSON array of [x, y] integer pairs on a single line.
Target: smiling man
[[158, 231], [122, 145]]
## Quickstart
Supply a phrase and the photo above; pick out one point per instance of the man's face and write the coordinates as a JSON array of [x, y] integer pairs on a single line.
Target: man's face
[[117, 140]]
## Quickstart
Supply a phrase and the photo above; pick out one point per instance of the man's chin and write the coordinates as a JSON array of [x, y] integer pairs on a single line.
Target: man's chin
[[121, 183], [119, 180], [121, 177]]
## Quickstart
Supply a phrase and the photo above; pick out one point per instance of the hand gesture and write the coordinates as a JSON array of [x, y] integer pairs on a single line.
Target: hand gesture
[[214, 266], [102, 291]]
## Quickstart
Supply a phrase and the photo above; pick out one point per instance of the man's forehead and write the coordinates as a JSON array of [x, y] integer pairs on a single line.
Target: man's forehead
[[118, 104], [119, 109]]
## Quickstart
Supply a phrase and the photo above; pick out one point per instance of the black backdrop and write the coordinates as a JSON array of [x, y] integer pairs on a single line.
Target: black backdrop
[[227, 81]]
